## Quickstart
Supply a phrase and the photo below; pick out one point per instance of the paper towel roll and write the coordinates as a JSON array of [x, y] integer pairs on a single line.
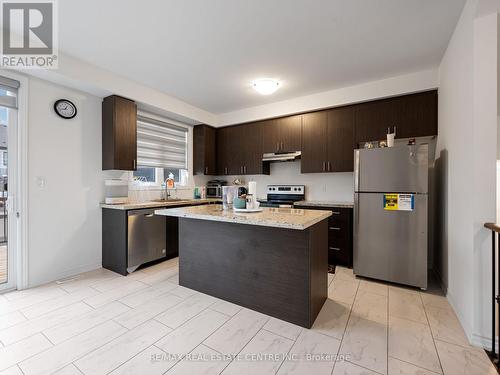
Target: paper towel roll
[[252, 188]]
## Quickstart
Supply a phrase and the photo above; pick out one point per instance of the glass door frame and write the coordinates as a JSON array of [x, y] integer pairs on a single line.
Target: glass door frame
[[12, 122], [17, 201]]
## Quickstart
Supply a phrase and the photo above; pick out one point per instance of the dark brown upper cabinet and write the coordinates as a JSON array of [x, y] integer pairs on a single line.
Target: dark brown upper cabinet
[[204, 150], [290, 133], [416, 115], [229, 153], [119, 134], [340, 139], [413, 115], [251, 155], [270, 136], [314, 142], [283, 134], [328, 141], [239, 150], [327, 138]]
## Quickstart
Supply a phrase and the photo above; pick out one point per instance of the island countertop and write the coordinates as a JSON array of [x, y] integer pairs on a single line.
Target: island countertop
[[289, 218]]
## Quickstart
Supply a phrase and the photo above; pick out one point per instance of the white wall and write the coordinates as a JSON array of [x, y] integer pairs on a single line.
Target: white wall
[[319, 186], [485, 155], [64, 215], [467, 163]]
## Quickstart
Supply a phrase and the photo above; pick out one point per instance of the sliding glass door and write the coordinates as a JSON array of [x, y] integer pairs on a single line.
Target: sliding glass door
[[8, 182]]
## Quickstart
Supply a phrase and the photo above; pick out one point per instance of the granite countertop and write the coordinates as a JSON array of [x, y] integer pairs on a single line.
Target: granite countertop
[[154, 204], [325, 204], [269, 217]]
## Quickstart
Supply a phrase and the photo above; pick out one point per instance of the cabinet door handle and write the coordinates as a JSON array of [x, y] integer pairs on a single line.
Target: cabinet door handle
[[334, 248], [277, 146], [245, 169], [206, 170], [282, 146], [135, 164], [324, 166], [335, 213], [225, 170], [329, 167], [334, 228]]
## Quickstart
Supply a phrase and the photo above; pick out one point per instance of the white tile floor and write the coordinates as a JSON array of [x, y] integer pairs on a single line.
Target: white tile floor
[[103, 323]]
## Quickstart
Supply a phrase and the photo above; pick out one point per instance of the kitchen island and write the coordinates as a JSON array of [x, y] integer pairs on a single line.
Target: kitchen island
[[274, 261]]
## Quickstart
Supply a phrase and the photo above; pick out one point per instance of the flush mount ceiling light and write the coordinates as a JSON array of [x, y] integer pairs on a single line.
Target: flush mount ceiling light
[[266, 86]]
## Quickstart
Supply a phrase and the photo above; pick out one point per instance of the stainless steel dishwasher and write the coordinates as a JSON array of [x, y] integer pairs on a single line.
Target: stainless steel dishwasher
[[147, 237]]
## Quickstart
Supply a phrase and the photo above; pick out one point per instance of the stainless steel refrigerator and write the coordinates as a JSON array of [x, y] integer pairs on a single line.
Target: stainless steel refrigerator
[[391, 213]]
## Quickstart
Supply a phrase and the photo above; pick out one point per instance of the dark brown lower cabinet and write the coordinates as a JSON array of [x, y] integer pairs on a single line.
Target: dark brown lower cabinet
[[340, 231], [280, 272]]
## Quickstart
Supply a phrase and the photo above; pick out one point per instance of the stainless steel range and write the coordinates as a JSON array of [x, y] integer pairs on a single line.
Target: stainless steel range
[[283, 195]]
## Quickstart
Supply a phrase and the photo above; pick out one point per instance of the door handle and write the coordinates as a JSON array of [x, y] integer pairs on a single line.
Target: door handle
[[335, 213], [334, 228], [135, 164], [324, 166], [149, 215], [225, 170], [245, 169], [206, 170], [334, 248]]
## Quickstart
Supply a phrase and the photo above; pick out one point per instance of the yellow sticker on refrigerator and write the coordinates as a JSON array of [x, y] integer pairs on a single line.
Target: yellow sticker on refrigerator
[[399, 202]]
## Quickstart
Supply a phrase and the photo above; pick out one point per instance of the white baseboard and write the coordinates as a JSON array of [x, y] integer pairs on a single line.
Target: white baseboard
[[475, 339], [66, 274], [482, 341]]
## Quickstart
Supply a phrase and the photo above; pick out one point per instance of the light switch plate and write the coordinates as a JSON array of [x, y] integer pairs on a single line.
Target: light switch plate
[[41, 182]]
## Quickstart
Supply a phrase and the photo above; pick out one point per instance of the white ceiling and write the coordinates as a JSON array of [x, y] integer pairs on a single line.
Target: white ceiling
[[206, 52]]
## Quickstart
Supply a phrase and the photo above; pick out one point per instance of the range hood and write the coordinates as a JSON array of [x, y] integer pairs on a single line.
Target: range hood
[[282, 156]]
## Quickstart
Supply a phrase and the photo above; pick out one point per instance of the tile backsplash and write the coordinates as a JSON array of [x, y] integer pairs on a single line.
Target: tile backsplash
[[319, 186]]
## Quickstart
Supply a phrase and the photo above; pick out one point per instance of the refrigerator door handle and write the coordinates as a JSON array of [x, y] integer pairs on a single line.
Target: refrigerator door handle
[[356, 170]]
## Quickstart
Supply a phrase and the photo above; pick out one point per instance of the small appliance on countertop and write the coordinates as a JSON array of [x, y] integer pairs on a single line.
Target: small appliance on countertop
[[115, 191], [214, 188], [283, 195]]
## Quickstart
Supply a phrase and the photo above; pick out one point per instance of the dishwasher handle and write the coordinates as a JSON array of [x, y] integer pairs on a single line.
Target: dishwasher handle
[[145, 213]]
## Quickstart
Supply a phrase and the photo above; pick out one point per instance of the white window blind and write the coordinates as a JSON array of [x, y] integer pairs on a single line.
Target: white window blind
[[161, 144], [8, 92]]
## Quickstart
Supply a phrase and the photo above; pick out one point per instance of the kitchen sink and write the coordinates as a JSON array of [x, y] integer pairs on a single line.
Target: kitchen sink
[[170, 200]]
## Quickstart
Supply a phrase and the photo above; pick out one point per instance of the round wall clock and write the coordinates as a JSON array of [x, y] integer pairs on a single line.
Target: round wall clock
[[65, 108]]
